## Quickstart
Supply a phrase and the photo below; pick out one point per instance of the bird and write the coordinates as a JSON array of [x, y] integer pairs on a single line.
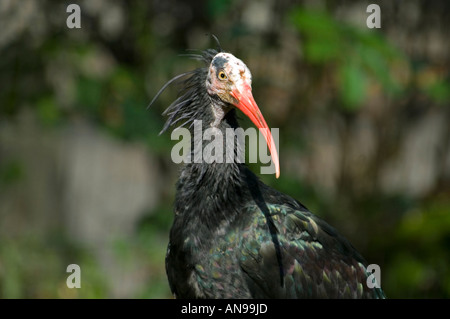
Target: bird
[[232, 235]]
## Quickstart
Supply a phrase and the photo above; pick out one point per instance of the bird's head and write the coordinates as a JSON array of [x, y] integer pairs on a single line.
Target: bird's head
[[231, 81], [225, 83], [228, 78]]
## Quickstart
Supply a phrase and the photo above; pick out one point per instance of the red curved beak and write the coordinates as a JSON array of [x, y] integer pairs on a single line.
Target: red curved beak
[[246, 103]]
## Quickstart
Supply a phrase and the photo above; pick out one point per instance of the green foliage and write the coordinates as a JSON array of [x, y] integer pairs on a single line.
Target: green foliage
[[439, 91], [353, 85], [48, 111], [323, 34], [215, 8], [418, 266], [148, 246], [118, 103], [35, 267], [10, 172], [360, 58], [154, 230]]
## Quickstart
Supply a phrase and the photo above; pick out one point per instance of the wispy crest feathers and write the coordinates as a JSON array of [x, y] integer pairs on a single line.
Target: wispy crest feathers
[[192, 97]]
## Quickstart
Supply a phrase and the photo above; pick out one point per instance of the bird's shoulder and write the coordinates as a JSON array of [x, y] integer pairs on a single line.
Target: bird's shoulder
[[302, 256]]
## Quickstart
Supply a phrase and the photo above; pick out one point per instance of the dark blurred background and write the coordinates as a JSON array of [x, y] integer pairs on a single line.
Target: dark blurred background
[[84, 177]]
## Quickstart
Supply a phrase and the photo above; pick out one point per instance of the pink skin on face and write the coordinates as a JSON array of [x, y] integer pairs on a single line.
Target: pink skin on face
[[232, 83]]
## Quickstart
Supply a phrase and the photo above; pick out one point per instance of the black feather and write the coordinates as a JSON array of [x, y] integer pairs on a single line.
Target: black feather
[[191, 101], [179, 76], [219, 48]]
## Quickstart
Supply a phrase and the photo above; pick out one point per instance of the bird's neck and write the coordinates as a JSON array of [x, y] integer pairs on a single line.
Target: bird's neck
[[211, 187]]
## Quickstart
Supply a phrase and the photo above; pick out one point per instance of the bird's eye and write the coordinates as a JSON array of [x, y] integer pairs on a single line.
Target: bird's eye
[[222, 75]]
